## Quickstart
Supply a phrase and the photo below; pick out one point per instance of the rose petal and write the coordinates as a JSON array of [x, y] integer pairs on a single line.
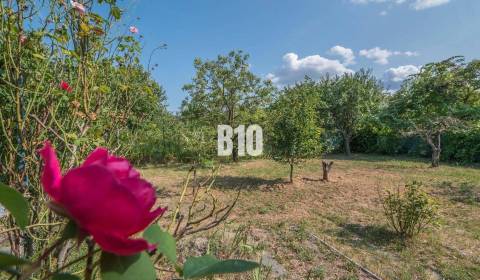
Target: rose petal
[[149, 218], [119, 245], [142, 190], [52, 174], [122, 168], [99, 155], [119, 166], [96, 200]]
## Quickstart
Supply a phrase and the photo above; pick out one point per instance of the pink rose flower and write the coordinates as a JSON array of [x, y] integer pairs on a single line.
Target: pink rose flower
[[65, 86], [78, 7], [133, 29], [105, 196]]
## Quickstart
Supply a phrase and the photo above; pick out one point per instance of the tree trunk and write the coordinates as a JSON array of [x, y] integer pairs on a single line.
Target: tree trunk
[[435, 158], [346, 140], [235, 153], [326, 166], [231, 117], [291, 172], [435, 143]]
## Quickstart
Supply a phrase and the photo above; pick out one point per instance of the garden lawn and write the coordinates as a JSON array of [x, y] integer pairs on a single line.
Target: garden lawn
[[284, 220]]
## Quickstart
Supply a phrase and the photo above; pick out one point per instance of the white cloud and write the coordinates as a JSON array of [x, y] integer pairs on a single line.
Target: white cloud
[[383, 13], [426, 4], [400, 73], [408, 53], [315, 66], [381, 56], [346, 53], [414, 4]]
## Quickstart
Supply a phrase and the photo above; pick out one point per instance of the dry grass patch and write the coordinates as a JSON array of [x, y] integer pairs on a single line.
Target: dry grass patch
[[347, 213]]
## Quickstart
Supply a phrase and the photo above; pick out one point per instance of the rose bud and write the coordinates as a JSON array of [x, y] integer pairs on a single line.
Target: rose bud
[[65, 86]]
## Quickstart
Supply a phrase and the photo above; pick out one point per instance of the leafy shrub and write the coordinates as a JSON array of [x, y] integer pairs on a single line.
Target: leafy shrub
[[410, 212]]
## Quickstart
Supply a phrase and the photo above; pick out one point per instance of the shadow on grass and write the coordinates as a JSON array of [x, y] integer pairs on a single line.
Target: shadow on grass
[[246, 183], [313, 180], [398, 158], [358, 235], [164, 193], [378, 158], [170, 166]]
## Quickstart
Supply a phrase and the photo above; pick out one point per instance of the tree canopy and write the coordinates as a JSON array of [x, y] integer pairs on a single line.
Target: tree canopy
[[294, 130], [443, 97], [225, 91], [348, 101]]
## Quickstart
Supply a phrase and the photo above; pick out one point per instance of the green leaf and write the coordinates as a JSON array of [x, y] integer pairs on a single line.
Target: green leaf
[[196, 267], [7, 260], [70, 230], [16, 204], [104, 89], [138, 267], [39, 56], [84, 27], [166, 243], [65, 276], [116, 12]]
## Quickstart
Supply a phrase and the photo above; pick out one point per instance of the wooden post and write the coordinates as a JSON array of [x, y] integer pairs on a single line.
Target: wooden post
[[326, 166]]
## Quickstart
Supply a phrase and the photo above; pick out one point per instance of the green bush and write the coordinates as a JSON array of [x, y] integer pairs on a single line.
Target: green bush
[[410, 212]]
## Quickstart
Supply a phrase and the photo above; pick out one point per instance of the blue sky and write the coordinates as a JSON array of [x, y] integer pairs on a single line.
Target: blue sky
[[288, 39]]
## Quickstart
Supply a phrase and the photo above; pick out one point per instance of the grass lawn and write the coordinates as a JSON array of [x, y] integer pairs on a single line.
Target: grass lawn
[[283, 220]]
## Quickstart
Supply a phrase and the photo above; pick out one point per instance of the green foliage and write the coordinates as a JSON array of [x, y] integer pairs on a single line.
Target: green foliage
[[411, 212], [462, 146], [110, 100], [70, 231], [442, 90], [65, 276], [225, 91], [166, 243], [7, 261], [198, 143], [16, 204], [349, 102], [139, 266], [197, 267], [442, 98], [294, 133]]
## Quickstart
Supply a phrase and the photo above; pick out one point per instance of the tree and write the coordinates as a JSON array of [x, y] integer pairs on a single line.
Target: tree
[[224, 91], [442, 97], [294, 132], [348, 101]]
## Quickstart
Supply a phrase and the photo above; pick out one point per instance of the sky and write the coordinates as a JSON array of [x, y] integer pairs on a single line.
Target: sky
[[288, 39]]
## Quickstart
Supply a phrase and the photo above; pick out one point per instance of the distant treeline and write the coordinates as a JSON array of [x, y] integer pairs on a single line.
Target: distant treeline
[[434, 114]]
